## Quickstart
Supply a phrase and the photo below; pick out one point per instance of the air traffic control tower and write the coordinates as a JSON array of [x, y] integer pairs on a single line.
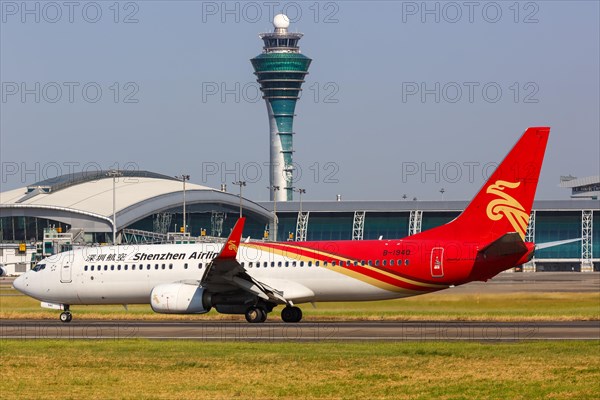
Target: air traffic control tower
[[280, 71]]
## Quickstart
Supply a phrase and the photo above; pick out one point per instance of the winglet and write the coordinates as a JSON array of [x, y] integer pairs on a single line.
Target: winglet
[[233, 241]]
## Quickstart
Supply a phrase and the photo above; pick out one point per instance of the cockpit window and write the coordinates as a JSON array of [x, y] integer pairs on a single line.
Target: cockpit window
[[39, 267]]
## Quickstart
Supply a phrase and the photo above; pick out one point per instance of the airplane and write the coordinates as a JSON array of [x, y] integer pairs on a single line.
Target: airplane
[[252, 278]]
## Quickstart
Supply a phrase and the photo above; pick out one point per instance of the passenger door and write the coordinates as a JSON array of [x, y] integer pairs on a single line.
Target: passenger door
[[65, 272], [437, 262]]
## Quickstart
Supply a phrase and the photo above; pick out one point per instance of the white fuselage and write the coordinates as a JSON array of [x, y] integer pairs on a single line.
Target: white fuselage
[[127, 274]]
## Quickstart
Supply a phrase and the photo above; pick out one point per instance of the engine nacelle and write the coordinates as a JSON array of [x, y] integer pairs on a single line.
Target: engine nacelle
[[3, 271], [179, 298]]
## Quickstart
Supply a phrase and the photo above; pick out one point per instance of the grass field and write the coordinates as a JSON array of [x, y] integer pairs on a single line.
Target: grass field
[[437, 306], [140, 369]]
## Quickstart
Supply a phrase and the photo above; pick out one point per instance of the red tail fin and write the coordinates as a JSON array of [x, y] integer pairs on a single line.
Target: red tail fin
[[504, 203]]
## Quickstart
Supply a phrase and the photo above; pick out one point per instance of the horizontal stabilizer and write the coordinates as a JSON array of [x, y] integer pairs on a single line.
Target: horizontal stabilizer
[[510, 243], [557, 243]]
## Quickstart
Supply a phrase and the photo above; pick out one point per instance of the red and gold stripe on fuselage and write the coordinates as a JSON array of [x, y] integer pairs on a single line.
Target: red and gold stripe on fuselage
[[381, 277]]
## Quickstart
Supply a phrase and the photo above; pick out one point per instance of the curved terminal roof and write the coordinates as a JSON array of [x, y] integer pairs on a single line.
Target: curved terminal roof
[[138, 194]]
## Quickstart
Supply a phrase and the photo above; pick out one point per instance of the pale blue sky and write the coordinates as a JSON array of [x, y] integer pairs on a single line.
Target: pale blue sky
[[359, 124]]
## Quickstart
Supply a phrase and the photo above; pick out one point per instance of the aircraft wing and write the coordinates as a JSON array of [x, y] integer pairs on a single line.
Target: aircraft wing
[[225, 273]]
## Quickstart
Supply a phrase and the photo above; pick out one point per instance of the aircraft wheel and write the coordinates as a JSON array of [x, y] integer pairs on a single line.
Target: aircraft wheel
[[291, 314], [256, 315], [65, 317]]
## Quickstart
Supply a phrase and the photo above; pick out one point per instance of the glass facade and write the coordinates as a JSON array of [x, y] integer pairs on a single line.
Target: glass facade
[[434, 218], [19, 229], [388, 225], [551, 226], [197, 221], [330, 226]]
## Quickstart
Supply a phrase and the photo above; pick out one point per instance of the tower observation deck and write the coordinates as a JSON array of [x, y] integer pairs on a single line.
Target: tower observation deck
[[280, 71]]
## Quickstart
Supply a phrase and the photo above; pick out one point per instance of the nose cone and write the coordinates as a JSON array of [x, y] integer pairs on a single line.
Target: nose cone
[[20, 283]]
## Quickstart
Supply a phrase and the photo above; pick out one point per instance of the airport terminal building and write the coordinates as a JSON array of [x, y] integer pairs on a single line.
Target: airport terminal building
[[149, 206]]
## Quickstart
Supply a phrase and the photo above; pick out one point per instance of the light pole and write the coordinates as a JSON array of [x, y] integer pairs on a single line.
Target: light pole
[[300, 192], [276, 221], [240, 184], [183, 178], [114, 174]]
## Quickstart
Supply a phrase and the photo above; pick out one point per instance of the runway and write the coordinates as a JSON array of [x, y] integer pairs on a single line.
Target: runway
[[305, 332]]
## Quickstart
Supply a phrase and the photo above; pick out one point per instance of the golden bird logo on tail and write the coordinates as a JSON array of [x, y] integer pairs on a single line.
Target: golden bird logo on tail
[[232, 246], [507, 206]]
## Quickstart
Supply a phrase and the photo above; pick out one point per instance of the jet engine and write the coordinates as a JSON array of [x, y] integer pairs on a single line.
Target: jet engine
[[179, 298], [3, 271]]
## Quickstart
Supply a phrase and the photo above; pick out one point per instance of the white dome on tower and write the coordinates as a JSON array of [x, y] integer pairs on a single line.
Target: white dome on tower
[[281, 21]]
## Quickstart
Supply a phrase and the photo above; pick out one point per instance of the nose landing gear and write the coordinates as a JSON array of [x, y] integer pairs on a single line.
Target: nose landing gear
[[66, 315]]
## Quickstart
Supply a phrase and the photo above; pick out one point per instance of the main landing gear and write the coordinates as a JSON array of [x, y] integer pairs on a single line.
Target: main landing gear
[[256, 315], [291, 314], [66, 315]]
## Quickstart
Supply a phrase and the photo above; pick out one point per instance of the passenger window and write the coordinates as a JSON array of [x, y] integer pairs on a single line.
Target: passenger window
[[85, 268], [310, 263], [293, 263], [185, 266], [316, 263], [347, 263], [370, 263], [148, 267], [355, 263], [399, 262], [200, 266], [133, 267], [126, 267], [170, 266], [324, 263], [377, 263], [92, 268], [279, 264], [362, 262], [155, 266], [112, 267], [250, 264], [287, 263], [384, 263], [333, 263], [392, 263], [406, 262], [265, 264], [302, 263], [272, 263], [163, 266], [118, 267], [105, 267]]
